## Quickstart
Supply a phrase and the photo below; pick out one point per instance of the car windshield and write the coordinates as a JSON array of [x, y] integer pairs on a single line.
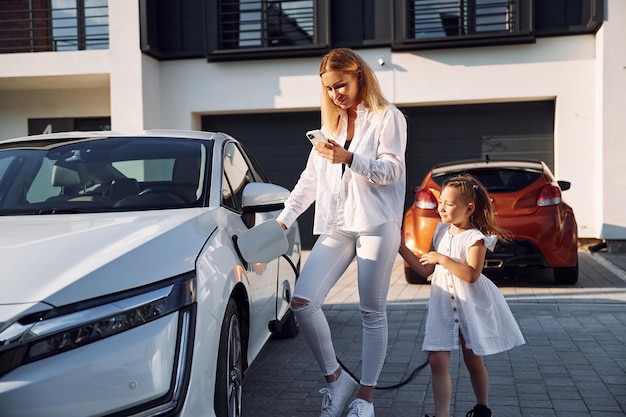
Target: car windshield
[[504, 180], [96, 175]]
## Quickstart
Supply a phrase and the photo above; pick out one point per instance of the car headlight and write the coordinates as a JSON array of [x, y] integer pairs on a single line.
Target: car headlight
[[55, 331]]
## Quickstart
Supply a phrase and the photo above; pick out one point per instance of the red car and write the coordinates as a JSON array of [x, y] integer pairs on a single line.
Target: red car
[[528, 203]]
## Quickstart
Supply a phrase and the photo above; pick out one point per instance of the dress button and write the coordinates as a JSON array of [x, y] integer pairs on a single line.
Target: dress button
[[452, 297], [454, 309], [456, 320]]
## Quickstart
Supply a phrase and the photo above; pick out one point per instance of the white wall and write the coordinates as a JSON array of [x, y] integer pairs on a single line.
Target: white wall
[[151, 90], [127, 100], [16, 107], [234, 87], [51, 84], [611, 127]]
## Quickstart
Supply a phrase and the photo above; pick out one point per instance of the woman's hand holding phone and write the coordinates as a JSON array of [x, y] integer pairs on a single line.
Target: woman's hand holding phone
[[328, 148], [316, 136]]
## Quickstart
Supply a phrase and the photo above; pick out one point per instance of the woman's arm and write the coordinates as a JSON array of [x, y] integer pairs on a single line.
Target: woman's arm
[[467, 272], [414, 262], [302, 195]]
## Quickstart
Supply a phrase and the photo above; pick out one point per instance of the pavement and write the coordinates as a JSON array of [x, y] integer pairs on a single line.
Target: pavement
[[572, 365]]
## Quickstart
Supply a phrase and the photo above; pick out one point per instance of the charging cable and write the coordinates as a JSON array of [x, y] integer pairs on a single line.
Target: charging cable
[[394, 386], [345, 368]]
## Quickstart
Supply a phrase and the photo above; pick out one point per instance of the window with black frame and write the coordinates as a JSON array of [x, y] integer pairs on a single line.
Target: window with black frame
[[560, 17], [54, 25], [441, 18], [226, 30], [423, 24], [452, 23], [235, 176], [264, 24], [255, 25]]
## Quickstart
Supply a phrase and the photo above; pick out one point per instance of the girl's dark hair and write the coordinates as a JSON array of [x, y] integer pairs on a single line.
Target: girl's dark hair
[[472, 191]]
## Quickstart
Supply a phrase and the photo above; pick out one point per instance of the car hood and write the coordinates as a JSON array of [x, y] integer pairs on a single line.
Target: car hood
[[65, 258]]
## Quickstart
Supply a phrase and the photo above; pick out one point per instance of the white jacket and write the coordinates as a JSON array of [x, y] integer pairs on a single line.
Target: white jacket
[[372, 189]]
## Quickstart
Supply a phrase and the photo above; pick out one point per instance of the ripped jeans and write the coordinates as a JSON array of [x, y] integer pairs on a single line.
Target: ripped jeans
[[376, 251]]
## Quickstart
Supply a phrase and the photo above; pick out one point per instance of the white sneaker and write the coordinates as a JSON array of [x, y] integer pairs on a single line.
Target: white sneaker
[[335, 399], [361, 408]]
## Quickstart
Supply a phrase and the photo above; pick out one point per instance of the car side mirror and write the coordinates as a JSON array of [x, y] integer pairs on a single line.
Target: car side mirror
[[261, 197], [565, 185]]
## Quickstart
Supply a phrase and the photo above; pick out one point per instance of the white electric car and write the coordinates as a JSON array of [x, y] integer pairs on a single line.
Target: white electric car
[[140, 274]]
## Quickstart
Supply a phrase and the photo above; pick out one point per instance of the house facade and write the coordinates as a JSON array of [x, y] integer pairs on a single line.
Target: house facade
[[541, 79]]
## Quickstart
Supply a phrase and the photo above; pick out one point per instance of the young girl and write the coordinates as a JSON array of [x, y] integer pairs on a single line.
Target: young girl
[[465, 308]]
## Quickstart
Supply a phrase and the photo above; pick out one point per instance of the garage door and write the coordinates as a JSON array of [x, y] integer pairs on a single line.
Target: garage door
[[436, 134], [500, 130]]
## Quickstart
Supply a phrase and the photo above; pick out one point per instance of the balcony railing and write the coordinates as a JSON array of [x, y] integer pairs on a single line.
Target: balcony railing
[[53, 25], [437, 18], [263, 24], [455, 23]]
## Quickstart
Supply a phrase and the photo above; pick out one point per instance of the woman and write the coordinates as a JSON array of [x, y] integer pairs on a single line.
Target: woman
[[357, 181]]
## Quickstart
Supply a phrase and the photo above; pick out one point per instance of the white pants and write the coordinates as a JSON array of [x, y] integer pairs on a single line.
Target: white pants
[[376, 251]]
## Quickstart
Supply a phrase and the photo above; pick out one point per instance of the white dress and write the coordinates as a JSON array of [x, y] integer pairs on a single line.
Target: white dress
[[478, 310]]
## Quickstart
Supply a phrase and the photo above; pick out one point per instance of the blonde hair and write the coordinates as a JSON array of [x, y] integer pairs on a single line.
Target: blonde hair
[[484, 217], [349, 62]]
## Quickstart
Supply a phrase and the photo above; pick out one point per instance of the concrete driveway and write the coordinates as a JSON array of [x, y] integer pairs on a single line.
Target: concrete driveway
[[573, 363]]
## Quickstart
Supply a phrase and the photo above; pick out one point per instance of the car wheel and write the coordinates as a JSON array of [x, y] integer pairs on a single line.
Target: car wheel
[[566, 275], [229, 378], [413, 278], [290, 327]]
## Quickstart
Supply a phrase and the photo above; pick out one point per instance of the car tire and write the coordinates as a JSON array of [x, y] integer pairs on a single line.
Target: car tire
[[413, 277], [566, 275], [229, 377], [290, 327]]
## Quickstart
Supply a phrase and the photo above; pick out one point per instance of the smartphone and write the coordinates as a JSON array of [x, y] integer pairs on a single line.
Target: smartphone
[[316, 136]]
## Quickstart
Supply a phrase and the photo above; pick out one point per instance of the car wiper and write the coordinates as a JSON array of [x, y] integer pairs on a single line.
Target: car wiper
[[57, 211], [68, 210], [36, 212], [45, 211]]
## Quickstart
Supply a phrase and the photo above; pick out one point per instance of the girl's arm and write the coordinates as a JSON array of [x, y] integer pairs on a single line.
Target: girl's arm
[[467, 272], [414, 262]]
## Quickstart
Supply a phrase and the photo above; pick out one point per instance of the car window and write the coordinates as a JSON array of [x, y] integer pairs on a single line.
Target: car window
[[255, 167], [41, 187], [235, 176], [498, 180], [4, 165], [121, 173]]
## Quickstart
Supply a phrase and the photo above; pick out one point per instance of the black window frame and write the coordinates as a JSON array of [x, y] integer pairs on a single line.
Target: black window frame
[[520, 33], [591, 18], [526, 29], [215, 52], [254, 173]]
